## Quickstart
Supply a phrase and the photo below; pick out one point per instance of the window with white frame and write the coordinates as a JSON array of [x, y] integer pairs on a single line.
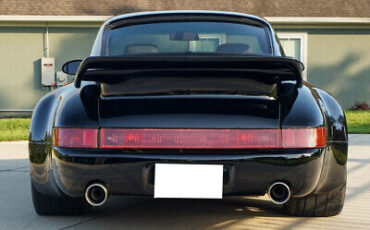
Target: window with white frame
[[207, 43], [295, 45]]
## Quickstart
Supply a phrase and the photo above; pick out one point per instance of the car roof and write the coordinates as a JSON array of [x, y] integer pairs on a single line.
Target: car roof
[[205, 12]]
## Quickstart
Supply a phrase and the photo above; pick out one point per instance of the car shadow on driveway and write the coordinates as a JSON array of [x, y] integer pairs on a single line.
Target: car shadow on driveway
[[182, 213]]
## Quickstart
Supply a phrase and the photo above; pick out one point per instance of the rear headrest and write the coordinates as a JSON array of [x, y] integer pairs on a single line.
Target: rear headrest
[[238, 48], [141, 49]]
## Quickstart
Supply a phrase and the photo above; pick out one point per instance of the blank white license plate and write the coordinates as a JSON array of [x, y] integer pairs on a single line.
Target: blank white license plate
[[188, 181]]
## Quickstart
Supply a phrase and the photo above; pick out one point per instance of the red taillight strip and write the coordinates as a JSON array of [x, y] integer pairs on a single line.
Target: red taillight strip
[[304, 138], [75, 138], [190, 138]]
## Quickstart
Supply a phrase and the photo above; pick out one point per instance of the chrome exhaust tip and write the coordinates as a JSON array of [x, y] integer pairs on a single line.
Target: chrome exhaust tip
[[96, 194], [279, 192]]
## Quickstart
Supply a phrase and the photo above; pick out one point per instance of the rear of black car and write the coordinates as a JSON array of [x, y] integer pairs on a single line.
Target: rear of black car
[[167, 95], [202, 110]]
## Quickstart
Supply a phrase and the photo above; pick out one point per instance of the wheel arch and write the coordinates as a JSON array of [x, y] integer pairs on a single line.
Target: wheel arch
[[334, 171], [64, 107], [40, 143]]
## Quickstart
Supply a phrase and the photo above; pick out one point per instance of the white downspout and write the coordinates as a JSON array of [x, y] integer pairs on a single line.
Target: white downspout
[[47, 41]]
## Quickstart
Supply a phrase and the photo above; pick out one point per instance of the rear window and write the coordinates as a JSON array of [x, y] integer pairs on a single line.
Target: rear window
[[188, 38]]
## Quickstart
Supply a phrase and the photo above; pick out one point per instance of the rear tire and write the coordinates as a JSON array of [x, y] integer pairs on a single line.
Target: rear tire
[[55, 205], [319, 205]]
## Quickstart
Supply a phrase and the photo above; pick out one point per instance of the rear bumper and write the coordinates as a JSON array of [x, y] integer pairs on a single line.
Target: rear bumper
[[132, 174]]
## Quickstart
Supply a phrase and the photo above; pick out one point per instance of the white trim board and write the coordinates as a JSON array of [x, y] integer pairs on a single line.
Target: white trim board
[[16, 110], [102, 18], [51, 18], [317, 20]]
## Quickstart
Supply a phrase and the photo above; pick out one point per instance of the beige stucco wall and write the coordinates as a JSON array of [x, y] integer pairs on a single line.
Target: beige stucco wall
[[339, 61], [20, 51], [20, 48]]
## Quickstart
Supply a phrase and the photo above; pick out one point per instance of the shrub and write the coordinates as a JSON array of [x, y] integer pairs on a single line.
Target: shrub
[[360, 106]]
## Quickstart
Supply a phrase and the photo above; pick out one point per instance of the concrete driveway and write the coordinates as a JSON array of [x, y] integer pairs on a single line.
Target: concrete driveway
[[16, 211]]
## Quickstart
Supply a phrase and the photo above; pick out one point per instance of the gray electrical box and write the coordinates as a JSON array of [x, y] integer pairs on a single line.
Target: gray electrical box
[[48, 71]]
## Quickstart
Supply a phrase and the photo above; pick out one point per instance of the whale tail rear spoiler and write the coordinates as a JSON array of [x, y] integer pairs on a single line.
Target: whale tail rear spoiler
[[112, 69]]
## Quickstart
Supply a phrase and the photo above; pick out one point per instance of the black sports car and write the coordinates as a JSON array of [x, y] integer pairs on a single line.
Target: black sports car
[[188, 104]]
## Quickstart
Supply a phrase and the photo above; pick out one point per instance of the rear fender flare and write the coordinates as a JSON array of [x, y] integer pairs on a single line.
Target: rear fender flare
[[334, 171], [40, 140]]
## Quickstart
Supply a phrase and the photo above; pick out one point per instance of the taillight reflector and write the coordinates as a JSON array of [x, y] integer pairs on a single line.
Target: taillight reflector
[[190, 138], [75, 138], [304, 138]]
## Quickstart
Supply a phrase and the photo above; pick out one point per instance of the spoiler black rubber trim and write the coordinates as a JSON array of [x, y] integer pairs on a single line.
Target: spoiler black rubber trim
[[98, 68]]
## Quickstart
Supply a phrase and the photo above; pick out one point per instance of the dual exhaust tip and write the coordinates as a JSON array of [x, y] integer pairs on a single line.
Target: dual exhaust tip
[[97, 194], [279, 192]]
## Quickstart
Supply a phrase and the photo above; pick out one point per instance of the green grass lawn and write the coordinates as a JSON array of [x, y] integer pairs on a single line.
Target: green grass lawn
[[17, 128], [14, 129], [358, 121]]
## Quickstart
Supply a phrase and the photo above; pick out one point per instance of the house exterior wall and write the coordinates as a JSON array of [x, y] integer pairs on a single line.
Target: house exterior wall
[[338, 60], [20, 51]]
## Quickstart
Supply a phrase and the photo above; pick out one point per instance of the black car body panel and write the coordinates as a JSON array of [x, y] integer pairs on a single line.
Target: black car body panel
[[291, 104], [132, 173]]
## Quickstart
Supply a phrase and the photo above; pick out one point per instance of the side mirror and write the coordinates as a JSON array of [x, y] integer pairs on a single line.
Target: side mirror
[[71, 67]]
